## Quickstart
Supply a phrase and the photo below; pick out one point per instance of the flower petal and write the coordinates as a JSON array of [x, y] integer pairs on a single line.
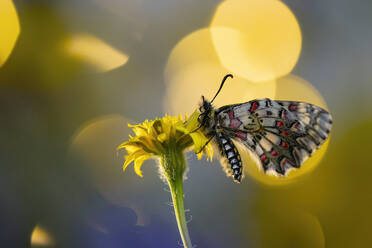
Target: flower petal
[[162, 137], [128, 160], [136, 144], [129, 146], [199, 155], [184, 141], [132, 156], [209, 152], [192, 122], [140, 129], [138, 163], [199, 140], [156, 128]]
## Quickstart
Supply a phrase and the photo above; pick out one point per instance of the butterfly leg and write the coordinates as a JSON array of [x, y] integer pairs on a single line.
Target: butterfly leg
[[196, 129], [206, 143], [232, 163]]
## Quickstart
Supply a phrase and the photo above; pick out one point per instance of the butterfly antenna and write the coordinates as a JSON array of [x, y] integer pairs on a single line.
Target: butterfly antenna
[[223, 81]]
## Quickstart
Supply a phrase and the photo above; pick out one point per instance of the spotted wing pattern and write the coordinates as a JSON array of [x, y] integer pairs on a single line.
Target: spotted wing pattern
[[283, 134]]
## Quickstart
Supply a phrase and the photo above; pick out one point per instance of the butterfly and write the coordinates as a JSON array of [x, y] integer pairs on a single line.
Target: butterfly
[[282, 134]]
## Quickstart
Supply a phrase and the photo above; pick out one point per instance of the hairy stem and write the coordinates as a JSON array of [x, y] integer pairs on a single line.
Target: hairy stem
[[177, 197], [174, 165]]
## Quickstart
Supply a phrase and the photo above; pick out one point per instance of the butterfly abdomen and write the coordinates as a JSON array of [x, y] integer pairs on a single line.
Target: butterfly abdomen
[[233, 163]]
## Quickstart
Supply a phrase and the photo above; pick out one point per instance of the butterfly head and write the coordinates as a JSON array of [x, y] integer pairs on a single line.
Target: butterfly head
[[205, 106], [205, 110]]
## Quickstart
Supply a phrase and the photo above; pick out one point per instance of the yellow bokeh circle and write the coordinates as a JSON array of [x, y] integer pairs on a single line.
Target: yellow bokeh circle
[[290, 88], [285, 226], [257, 40], [9, 29], [95, 144], [193, 69], [294, 88]]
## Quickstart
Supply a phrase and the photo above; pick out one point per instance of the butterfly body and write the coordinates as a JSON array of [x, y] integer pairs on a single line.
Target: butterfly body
[[282, 134]]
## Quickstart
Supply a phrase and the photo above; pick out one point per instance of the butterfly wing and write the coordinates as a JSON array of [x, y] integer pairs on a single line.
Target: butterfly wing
[[283, 134]]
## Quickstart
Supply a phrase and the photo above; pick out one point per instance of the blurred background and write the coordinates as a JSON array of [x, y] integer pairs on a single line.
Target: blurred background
[[74, 73]]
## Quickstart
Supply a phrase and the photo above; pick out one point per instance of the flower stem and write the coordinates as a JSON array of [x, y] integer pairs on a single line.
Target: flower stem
[[177, 197], [174, 165]]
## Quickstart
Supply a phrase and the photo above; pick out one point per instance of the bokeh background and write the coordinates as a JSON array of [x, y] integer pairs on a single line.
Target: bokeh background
[[74, 73]]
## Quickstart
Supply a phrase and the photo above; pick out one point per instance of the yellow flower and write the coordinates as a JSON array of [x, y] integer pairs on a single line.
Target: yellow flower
[[167, 139], [158, 137]]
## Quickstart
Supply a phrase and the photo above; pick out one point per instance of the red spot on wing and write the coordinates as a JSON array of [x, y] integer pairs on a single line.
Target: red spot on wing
[[285, 133], [234, 123], [279, 123], [274, 153], [263, 158], [284, 144], [269, 112], [241, 135], [231, 115], [254, 106]]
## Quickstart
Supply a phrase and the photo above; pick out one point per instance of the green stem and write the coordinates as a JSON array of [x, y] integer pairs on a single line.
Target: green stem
[[174, 165], [177, 197]]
